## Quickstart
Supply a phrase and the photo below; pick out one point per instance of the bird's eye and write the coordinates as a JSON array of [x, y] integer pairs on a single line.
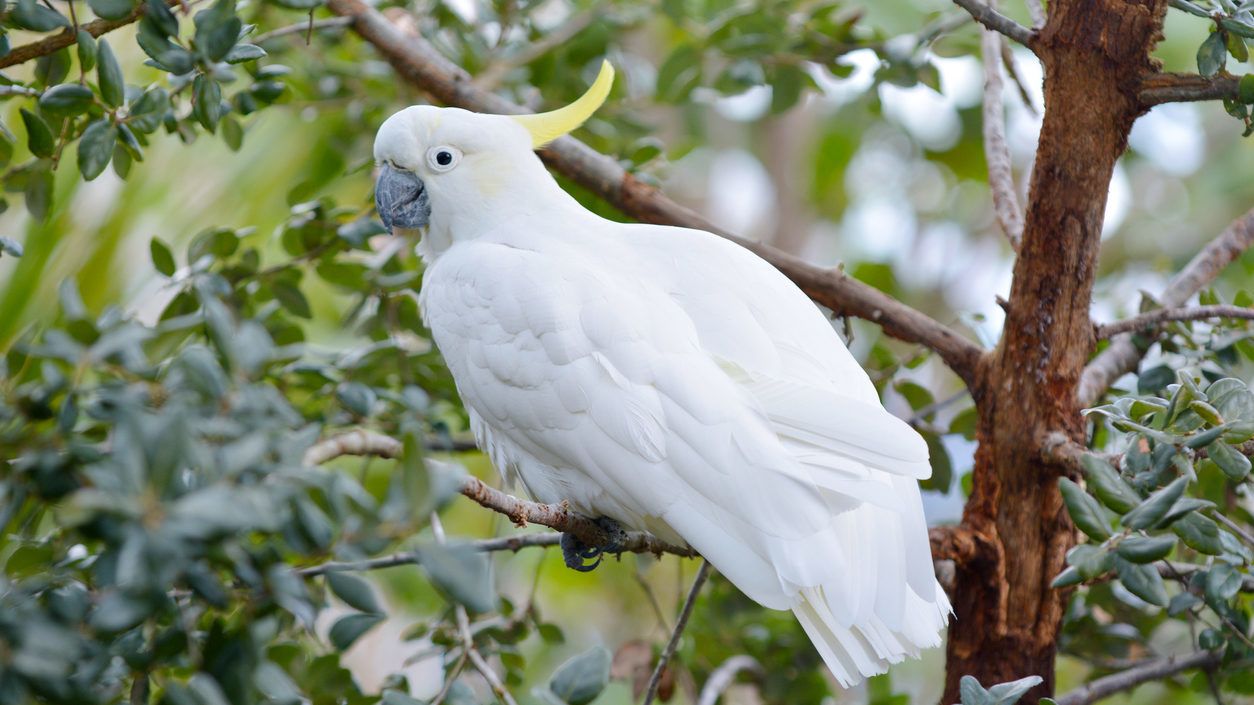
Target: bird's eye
[[443, 158]]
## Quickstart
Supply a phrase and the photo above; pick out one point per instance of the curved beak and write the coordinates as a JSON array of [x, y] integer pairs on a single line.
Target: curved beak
[[401, 199]]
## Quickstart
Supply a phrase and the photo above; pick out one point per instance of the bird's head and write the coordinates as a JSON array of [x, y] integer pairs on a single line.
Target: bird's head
[[443, 164]]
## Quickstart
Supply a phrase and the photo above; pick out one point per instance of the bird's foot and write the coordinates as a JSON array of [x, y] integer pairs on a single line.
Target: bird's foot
[[577, 553]]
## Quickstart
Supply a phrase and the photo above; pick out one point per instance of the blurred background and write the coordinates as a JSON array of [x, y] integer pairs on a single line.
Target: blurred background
[[870, 159]]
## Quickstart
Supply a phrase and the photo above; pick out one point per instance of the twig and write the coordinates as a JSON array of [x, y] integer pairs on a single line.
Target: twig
[[1233, 527], [1037, 12], [725, 675], [1001, 180], [1161, 88], [492, 74], [1123, 355], [1158, 668], [419, 63], [302, 28], [555, 516], [1012, 71], [994, 20], [1152, 319], [468, 638], [69, 36], [702, 573]]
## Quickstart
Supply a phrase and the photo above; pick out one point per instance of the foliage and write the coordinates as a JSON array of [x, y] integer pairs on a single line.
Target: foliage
[[157, 524], [1166, 548]]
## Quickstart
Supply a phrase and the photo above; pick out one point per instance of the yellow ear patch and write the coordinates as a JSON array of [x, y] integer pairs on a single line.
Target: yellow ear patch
[[546, 127]]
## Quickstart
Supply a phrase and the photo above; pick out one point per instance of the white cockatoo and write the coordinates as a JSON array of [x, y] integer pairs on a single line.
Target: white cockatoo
[[666, 379]]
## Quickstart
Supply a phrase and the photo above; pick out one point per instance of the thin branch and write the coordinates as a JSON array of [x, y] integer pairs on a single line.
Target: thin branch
[[1037, 12], [994, 20], [1127, 680], [1123, 355], [1174, 570], [1234, 527], [1161, 88], [1153, 319], [1001, 180], [68, 36], [302, 28], [1012, 72], [492, 74], [420, 64], [522, 512], [702, 573], [723, 676]]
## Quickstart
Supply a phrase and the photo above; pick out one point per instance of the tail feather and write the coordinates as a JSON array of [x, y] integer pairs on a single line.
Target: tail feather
[[869, 648]]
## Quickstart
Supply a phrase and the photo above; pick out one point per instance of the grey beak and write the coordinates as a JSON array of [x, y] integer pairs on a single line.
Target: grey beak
[[401, 198]]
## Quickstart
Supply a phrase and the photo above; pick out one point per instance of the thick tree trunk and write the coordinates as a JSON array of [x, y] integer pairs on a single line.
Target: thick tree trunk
[[1094, 52]]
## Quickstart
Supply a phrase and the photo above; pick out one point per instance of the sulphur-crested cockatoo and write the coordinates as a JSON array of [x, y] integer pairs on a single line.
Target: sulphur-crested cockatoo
[[666, 379]]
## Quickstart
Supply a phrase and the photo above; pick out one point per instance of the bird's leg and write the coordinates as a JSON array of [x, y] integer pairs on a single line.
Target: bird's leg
[[576, 553]]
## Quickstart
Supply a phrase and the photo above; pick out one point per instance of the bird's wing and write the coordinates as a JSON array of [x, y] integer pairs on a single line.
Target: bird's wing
[[775, 342], [606, 381]]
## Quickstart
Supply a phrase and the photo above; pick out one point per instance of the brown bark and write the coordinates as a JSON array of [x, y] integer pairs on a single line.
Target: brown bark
[[1095, 53]]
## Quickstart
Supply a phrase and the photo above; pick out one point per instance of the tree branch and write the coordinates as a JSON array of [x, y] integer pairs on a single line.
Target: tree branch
[[994, 20], [723, 676], [420, 64], [1123, 355], [522, 512], [1001, 182], [1153, 319], [1127, 680], [68, 36], [702, 573], [552, 39], [1161, 88]]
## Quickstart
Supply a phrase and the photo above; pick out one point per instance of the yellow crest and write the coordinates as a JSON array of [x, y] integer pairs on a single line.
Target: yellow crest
[[546, 127]]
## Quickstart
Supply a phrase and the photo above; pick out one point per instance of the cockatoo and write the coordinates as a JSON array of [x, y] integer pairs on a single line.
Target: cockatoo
[[665, 379]]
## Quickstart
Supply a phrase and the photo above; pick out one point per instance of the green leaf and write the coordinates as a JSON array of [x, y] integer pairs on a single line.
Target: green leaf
[[217, 30], [165, 54], [29, 14], [66, 100], [159, 16], [461, 573], [581, 679], [679, 74], [39, 193], [1068, 577], [86, 46], [1237, 48], [354, 591], [971, 692], [38, 135], [1109, 487], [1084, 510], [1182, 507], [111, 9], [244, 52], [1245, 89], [207, 101], [1142, 581], [162, 257], [1223, 582], [1145, 549], [1090, 560], [357, 397], [1212, 55], [1010, 693], [109, 74], [232, 133], [349, 629], [1233, 463], [1199, 533], [1155, 507], [95, 148]]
